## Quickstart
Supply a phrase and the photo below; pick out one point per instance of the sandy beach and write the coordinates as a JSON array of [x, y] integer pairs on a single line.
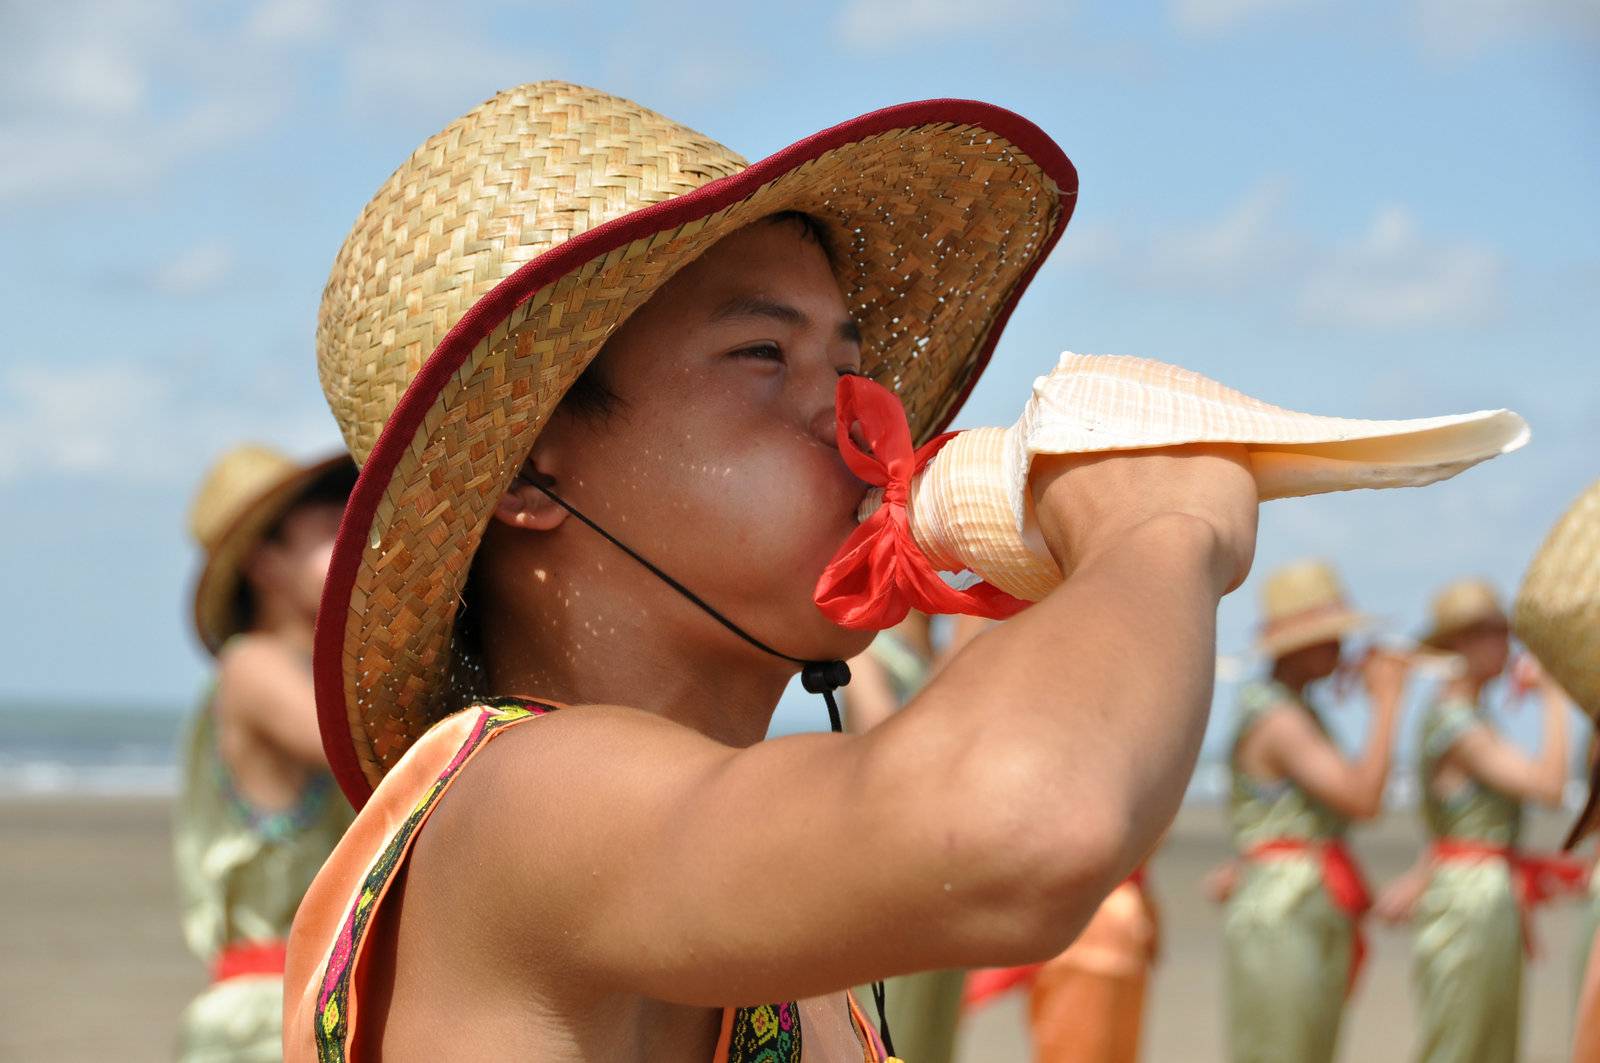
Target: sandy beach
[[92, 967]]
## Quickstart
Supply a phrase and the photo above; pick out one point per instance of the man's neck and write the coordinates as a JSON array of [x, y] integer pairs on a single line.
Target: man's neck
[[715, 685]]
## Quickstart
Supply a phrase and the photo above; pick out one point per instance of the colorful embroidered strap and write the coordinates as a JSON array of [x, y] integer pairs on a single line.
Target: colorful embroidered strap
[[769, 1033], [334, 995], [880, 573]]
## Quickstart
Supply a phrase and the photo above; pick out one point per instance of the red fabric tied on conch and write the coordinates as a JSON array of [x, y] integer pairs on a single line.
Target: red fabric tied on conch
[[880, 574]]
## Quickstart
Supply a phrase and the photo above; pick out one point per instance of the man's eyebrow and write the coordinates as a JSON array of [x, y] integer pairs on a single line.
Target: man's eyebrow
[[761, 306]]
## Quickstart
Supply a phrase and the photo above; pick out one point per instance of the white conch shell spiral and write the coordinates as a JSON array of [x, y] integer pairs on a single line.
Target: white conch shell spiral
[[970, 506]]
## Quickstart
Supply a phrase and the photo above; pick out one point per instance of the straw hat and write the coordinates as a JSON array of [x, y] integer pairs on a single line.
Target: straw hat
[[1461, 605], [1303, 604], [970, 506], [1558, 607], [243, 495], [1558, 618], [490, 268]]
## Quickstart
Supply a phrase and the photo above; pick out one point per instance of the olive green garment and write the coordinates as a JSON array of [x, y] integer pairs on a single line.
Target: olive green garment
[[1468, 947], [241, 874], [924, 1008], [1287, 946]]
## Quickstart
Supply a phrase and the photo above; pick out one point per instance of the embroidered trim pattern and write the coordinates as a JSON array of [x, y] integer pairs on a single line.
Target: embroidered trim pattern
[[766, 1034]]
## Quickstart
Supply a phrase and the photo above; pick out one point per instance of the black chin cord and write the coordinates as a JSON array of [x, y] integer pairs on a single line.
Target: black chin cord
[[817, 677]]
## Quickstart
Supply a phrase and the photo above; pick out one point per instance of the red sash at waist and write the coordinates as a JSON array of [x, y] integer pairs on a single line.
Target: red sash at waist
[[1537, 877], [249, 957], [1341, 877]]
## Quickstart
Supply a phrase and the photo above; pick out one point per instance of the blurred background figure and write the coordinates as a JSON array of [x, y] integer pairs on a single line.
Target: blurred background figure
[[923, 1009], [1470, 893], [258, 812], [1295, 896], [1087, 1005]]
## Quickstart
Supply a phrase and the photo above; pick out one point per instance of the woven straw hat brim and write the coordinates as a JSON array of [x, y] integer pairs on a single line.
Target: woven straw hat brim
[[468, 417], [1558, 618], [1438, 635], [1558, 605], [1289, 636], [217, 587]]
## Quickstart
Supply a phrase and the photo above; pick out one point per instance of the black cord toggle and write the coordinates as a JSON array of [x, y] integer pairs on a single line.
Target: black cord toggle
[[822, 677]]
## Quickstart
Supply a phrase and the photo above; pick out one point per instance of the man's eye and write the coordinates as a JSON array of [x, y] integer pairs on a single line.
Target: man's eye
[[766, 352]]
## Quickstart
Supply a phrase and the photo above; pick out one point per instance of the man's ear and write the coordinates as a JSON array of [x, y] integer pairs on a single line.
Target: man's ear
[[524, 505]]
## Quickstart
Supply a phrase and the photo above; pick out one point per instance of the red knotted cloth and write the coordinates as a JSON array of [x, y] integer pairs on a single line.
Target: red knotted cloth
[[1343, 880], [880, 574], [1537, 877]]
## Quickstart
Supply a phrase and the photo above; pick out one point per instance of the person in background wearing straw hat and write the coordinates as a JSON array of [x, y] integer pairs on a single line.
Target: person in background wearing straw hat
[[258, 812], [1295, 897], [1471, 892], [589, 361]]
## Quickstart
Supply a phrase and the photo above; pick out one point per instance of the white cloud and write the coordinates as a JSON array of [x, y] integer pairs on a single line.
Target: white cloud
[[1393, 277], [1462, 28], [114, 94], [871, 24], [1216, 16], [137, 423], [1229, 252], [197, 270], [81, 419], [290, 21], [1248, 241], [417, 61], [1390, 276]]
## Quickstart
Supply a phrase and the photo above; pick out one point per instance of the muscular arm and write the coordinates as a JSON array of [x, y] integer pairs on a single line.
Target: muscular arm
[[981, 825]]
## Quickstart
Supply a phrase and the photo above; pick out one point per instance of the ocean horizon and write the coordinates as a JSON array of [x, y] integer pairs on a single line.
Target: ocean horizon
[[89, 747]]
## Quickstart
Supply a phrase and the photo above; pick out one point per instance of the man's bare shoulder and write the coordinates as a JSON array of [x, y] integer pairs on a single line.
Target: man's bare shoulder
[[554, 805]]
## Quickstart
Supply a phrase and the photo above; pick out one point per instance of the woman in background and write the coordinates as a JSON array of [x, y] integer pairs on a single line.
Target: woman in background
[[259, 812], [1295, 895], [1469, 894]]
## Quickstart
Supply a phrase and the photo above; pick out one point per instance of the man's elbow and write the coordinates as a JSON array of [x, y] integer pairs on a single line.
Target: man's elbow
[[1045, 870]]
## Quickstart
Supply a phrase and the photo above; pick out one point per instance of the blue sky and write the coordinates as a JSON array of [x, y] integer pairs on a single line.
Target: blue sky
[[1361, 209]]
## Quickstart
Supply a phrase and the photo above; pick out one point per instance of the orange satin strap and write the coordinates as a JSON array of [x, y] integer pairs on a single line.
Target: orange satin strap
[[1341, 877], [1539, 877]]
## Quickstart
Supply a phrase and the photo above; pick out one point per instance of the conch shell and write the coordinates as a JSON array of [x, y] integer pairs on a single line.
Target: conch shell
[[970, 508]]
